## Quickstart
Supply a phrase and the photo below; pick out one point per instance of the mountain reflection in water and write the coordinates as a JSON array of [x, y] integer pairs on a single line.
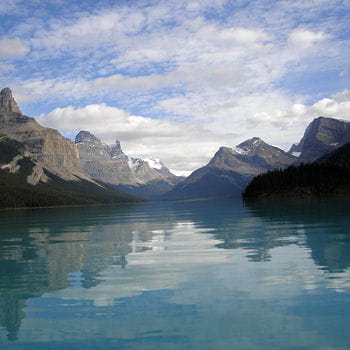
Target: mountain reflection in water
[[79, 263]]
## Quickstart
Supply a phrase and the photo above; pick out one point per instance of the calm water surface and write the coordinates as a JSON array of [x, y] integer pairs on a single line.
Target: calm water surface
[[192, 275]]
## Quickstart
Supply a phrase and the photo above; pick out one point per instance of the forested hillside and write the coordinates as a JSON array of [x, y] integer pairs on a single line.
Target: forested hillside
[[305, 180]]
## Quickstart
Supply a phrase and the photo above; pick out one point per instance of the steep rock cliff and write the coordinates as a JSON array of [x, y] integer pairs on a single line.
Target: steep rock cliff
[[47, 146]]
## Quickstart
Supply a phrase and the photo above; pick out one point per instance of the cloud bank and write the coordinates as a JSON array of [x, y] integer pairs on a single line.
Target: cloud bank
[[185, 147]]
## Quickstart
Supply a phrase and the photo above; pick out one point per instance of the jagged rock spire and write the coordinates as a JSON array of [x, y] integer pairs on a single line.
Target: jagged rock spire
[[115, 150], [7, 102], [85, 136]]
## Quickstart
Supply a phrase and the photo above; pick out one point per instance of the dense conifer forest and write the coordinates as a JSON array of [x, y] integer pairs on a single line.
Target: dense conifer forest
[[328, 176], [305, 180]]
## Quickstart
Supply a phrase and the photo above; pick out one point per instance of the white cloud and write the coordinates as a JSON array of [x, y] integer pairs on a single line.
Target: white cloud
[[11, 48], [342, 96], [185, 146], [332, 108], [203, 58], [306, 38], [244, 35], [104, 28], [271, 115], [170, 45], [182, 147], [140, 83]]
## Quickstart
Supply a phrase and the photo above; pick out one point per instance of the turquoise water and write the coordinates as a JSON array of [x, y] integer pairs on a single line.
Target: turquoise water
[[191, 275]]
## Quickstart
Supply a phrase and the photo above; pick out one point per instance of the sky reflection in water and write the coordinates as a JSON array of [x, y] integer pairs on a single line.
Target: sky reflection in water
[[202, 274]]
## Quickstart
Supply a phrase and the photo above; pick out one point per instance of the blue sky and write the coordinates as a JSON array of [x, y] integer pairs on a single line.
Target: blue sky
[[178, 79]]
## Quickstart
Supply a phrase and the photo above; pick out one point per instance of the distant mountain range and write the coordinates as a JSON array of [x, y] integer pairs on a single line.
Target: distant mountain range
[[40, 167], [231, 169], [38, 163], [147, 177]]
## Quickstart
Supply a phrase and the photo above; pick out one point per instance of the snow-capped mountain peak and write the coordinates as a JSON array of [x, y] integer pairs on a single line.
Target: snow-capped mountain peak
[[154, 163], [248, 146]]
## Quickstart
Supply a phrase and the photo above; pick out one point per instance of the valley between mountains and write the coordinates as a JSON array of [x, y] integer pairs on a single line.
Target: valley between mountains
[[40, 167]]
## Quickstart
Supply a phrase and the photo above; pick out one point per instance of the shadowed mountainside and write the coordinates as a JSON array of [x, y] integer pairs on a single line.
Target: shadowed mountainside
[[327, 176], [230, 170], [39, 167]]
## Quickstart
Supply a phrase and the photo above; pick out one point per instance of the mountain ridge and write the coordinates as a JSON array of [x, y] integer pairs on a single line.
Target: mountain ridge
[[47, 146], [320, 137], [109, 164], [89, 159], [40, 167], [230, 170]]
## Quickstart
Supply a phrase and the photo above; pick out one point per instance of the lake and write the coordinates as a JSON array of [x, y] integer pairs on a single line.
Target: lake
[[214, 274]]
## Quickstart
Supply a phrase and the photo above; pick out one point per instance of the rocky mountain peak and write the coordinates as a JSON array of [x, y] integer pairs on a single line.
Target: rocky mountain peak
[[230, 170], [321, 136], [109, 164], [91, 147], [295, 150], [158, 166], [46, 146], [327, 130], [115, 151], [254, 153], [86, 137], [7, 102], [250, 146]]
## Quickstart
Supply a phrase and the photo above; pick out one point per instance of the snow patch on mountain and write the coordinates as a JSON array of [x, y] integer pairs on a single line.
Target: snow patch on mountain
[[134, 162], [240, 150], [154, 163]]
